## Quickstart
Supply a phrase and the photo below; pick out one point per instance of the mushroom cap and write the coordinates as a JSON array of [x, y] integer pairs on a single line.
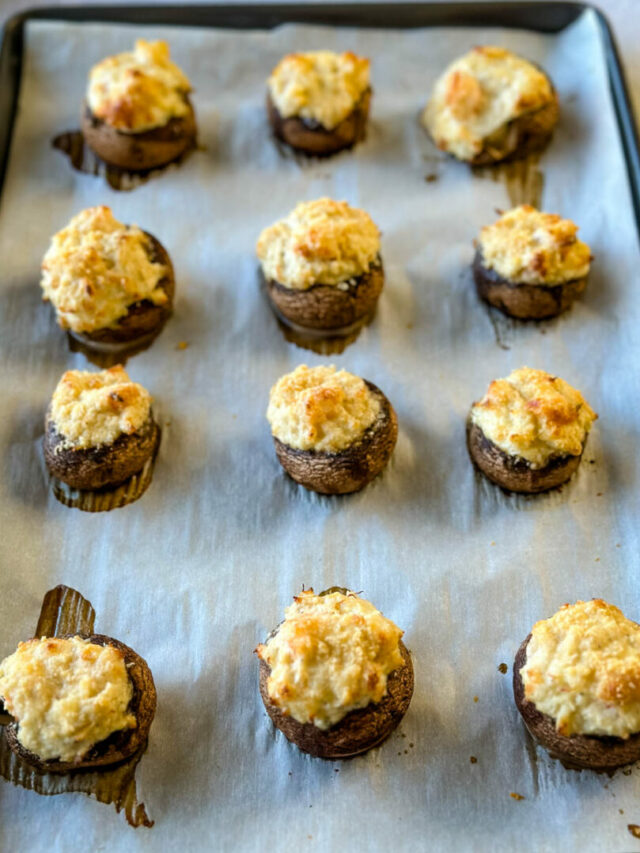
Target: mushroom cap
[[513, 473], [312, 138], [139, 152]]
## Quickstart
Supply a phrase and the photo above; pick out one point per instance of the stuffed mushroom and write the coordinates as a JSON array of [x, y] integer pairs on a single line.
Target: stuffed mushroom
[[530, 264], [321, 267], [137, 114], [491, 105], [529, 431], [111, 285], [99, 429], [318, 102], [77, 702], [576, 683], [335, 676], [333, 432]]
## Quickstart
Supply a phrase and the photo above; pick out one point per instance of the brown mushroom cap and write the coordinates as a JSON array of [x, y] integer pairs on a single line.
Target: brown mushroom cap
[[104, 465], [356, 732], [524, 135], [524, 301], [347, 470], [311, 137], [514, 473], [328, 308], [577, 752], [139, 152], [144, 320], [119, 745]]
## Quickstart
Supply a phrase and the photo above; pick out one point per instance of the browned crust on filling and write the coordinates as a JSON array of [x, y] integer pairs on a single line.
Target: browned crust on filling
[[139, 152], [524, 135], [104, 466], [144, 320], [347, 470], [514, 473], [311, 137], [359, 730], [327, 307], [118, 746], [524, 301], [588, 752]]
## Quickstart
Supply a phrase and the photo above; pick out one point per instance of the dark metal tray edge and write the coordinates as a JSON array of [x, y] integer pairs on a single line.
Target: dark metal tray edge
[[541, 17]]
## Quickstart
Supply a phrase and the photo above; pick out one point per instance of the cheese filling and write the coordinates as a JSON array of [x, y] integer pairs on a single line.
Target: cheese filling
[[66, 695], [138, 90], [478, 95], [319, 85], [319, 242], [331, 655], [321, 409], [96, 268], [527, 246], [583, 670], [93, 409], [535, 416]]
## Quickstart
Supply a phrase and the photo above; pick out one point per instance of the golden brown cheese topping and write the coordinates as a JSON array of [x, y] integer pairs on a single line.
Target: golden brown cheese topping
[[478, 95], [320, 242], [321, 409], [583, 670], [96, 268], [138, 90], [530, 247], [66, 695], [331, 655], [534, 415], [93, 409], [319, 85]]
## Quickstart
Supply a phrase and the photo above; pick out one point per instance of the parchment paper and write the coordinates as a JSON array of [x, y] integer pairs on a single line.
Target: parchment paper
[[195, 573]]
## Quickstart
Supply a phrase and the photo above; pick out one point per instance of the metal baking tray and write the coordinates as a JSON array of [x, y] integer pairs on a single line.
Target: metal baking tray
[[432, 740]]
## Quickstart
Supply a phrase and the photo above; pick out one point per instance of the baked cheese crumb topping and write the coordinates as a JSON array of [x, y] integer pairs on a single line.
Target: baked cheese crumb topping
[[321, 409], [534, 415], [96, 268], [92, 409], [319, 242], [331, 655], [478, 95], [583, 670], [527, 246], [138, 90], [319, 85], [66, 695]]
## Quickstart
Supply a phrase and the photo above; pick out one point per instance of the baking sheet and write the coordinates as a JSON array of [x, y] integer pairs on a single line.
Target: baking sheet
[[195, 573]]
